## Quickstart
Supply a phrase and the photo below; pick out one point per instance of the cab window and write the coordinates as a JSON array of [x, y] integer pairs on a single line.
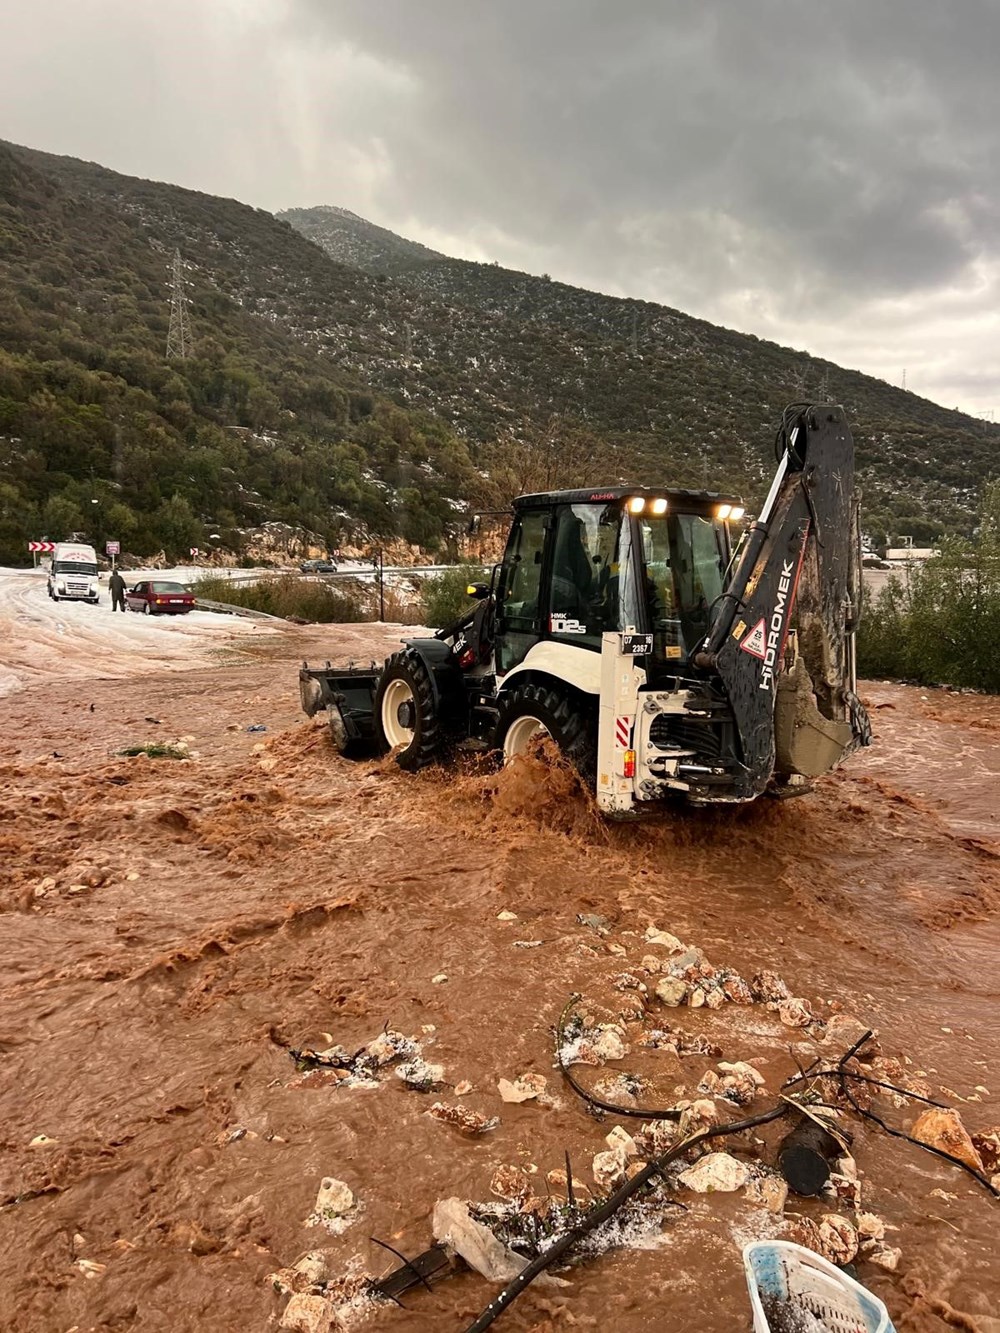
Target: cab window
[[520, 587], [585, 573]]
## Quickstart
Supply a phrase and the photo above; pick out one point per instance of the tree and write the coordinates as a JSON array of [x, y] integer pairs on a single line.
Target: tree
[[176, 525]]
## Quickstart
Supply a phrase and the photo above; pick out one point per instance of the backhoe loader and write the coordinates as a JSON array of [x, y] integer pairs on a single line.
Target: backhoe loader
[[667, 646]]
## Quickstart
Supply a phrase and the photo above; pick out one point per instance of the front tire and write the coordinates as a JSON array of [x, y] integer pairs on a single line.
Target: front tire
[[531, 711], [406, 718]]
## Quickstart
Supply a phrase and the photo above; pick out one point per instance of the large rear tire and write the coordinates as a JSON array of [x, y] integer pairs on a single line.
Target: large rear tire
[[406, 718], [530, 711]]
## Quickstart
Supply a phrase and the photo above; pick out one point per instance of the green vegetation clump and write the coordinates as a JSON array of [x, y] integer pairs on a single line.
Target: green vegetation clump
[[156, 750], [444, 596], [287, 596], [940, 623]]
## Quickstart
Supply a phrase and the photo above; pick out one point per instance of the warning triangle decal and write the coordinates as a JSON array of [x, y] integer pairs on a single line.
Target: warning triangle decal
[[755, 642]]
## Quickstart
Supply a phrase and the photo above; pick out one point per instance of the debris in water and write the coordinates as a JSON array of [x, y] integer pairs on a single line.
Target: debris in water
[[360, 1070], [768, 987], [663, 938], [420, 1075], [783, 1317], [90, 1267], [609, 1167], [716, 1171], [599, 923], [672, 991], [157, 750], [806, 1155], [680, 1042], [522, 1089], [462, 1118], [843, 1030], [306, 1313], [833, 1237], [510, 1182], [870, 1227], [621, 1140], [583, 1045], [987, 1145], [622, 1089], [737, 1083], [333, 1202], [454, 1226], [767, 1189], [886, 1256], [942, 1128], [795, 1012]]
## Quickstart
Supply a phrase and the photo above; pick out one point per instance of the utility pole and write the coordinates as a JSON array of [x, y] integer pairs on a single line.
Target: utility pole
[[380, 567], [178, 335], [904, 379]]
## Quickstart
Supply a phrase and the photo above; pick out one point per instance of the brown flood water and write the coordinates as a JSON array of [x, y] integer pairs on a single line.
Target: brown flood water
[[259, 898]]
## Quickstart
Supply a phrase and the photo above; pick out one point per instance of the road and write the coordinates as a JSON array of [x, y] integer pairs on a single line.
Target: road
[[44, 640]]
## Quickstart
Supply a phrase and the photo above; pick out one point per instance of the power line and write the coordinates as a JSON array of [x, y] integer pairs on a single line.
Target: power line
[[178, 334]]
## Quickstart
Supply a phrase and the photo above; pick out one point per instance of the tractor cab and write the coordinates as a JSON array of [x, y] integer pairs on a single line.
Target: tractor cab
[[622, 625], [579, 564]]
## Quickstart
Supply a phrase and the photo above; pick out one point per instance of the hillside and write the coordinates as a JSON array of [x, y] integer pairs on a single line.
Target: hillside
[[374, 398], [100, 433], [669, 389]]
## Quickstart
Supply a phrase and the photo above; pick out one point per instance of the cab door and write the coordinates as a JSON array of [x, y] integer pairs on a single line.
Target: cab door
[[521, 610]]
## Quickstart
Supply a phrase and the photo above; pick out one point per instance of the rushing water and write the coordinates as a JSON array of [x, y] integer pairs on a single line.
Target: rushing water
[[259, 899]]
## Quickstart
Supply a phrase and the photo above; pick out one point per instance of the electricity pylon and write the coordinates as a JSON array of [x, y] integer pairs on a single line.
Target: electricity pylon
[[178, 335]]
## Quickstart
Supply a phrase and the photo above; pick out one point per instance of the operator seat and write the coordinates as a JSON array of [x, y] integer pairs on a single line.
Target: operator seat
[[572, 571]]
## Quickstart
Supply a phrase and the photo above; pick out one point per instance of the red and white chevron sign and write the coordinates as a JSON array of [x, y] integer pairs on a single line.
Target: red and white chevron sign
[[45, 547], [623, 732]]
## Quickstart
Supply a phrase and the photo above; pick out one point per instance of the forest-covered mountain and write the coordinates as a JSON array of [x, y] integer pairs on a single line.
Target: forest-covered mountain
[[256, 424], [376, 396], [677, 395]]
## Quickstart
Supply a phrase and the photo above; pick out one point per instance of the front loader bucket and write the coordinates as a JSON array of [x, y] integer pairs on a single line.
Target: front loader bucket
[[347, 695]]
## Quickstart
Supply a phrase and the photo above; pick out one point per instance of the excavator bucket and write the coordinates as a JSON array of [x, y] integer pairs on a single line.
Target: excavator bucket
[[793, 700]]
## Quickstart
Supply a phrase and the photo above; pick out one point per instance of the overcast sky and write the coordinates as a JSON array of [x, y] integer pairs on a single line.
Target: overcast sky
[[825, 173]]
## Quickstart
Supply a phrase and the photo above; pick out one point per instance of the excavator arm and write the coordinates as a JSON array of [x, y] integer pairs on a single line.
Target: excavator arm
[[792, 692]]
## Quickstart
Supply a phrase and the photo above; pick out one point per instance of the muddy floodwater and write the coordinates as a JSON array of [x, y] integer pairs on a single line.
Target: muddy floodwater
[[170, 929]]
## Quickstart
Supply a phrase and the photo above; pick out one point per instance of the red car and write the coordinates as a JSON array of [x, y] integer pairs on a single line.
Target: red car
[[156, 595]]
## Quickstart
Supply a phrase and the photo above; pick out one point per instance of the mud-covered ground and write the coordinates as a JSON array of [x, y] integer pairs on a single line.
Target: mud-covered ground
[[170, 929]]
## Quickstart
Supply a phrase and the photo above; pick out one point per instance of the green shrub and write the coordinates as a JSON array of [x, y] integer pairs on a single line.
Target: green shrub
[[287, 595], [444, 596], [939, 624]]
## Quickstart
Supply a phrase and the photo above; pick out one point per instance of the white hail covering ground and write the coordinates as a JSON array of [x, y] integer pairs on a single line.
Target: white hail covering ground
[[42, 640]]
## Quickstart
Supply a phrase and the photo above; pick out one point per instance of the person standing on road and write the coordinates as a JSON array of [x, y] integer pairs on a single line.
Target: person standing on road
[[116, 586]]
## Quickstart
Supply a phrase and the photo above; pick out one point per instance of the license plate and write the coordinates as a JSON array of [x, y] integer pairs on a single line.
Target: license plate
[[637, 645]]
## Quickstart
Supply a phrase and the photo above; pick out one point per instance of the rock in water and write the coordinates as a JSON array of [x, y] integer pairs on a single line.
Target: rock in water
[[942, 1128], [715, 1171]]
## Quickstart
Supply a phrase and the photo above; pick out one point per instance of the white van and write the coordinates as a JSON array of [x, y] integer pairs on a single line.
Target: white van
[[73, 573]]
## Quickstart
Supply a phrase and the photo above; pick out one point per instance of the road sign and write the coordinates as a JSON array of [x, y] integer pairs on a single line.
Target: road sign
[[113, 548], [194, 551], [45, 547]]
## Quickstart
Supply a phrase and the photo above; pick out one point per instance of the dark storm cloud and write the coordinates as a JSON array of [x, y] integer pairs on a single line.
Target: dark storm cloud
[[823, 173], [855, 134]]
